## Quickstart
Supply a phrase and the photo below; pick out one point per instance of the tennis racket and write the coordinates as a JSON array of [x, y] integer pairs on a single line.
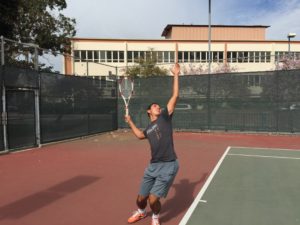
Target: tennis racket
[[126, 91]]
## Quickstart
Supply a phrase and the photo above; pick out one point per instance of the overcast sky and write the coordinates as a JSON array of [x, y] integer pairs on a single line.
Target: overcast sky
[[147, 18]]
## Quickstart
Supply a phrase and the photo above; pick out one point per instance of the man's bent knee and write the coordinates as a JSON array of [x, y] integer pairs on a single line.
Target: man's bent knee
[[153, 199]]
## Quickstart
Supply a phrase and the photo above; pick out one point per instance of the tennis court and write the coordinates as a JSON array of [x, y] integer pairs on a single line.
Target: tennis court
[[250, 186], [95, 180]]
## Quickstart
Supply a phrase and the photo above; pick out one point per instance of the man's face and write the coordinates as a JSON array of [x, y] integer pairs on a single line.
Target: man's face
[[155, 110]]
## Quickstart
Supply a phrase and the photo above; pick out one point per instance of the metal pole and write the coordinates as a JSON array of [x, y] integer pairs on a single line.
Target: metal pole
[[209, 36], [36, 58], [4, 118], [209, 65], [2, 51], [37, 118], [289, 46]]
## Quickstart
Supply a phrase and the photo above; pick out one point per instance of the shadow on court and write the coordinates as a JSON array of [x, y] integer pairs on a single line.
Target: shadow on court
[[184, 191], [29, 204]]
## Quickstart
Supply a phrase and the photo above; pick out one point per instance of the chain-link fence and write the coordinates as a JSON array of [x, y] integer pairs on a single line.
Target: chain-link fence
[[261, 101], [40, 107]]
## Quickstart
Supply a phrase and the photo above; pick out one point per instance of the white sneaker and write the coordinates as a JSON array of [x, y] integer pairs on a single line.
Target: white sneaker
[[155, 221]]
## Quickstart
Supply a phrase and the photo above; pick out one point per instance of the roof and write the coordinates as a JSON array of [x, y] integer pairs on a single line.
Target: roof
[[169, 27]]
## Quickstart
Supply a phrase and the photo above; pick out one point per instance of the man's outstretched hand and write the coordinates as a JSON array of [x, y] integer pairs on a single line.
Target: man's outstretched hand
[[176, 69]]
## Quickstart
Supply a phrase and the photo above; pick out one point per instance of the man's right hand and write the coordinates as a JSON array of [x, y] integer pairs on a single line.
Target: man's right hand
[[127, 118]]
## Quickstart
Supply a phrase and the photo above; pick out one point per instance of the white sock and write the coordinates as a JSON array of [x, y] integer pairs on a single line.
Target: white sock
[[141, 210], [155, 216]]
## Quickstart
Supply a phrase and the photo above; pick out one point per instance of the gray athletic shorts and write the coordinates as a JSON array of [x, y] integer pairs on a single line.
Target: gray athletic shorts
[[158, 178]]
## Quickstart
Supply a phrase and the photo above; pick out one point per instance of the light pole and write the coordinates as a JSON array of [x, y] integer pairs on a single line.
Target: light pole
[[289, 36], [209, 36], [209, 65]]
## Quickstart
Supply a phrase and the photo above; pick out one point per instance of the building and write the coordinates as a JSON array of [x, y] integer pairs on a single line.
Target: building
[[241, 48]]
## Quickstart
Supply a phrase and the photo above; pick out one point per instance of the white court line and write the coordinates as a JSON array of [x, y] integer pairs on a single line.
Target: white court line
[[270, 149], [264, 156], [189, 212]]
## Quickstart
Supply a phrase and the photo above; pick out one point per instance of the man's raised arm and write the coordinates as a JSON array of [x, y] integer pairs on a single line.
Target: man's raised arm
[[175, 94]]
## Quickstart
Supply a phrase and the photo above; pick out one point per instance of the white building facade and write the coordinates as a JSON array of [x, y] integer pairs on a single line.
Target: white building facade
[[241, 48]]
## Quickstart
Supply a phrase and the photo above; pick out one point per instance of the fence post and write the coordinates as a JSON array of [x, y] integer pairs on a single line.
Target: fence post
[[36, 58], [2, 51]]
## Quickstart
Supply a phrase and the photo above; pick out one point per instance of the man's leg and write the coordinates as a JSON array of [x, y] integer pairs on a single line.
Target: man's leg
[[154, 204], [140, 213], [141, 201]]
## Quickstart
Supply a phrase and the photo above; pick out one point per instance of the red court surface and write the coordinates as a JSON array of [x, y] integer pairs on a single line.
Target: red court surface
[[94, 181]]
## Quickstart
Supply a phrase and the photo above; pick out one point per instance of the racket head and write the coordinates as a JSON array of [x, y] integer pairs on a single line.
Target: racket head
[[126, 87]]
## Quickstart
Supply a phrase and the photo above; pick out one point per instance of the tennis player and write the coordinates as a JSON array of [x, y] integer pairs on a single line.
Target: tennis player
[[163, 167]]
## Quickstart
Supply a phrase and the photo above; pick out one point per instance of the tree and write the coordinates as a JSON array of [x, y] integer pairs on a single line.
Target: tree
[[198, 69], [224, 68], [39, 22], [282, 86], [8, 12], [146, 67], [288, 63]]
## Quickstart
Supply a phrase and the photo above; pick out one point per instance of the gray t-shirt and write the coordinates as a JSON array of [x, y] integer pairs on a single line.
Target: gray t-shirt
[[160, 137]]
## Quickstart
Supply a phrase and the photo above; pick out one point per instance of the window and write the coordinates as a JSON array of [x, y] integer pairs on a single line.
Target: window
[[96, 56], [136, 56], [108, 56], [256, 56], [214, 56], [166, 57], [121, 56], [262, 56], [180, 56], [203, 56], [221, 56], [130, 56], [102, 56], [77, 56], [268, 56], [251, 57], [185, 56], [115, 56], [172, 56], [83, 56], [198, 54], [159, 57], [246, 57], [90, 56], [142, 55], [234, 57], [240, 57], [192, 56]]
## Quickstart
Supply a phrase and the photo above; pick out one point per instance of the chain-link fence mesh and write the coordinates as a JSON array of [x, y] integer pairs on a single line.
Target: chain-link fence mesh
[[261, 101], [68, 106]]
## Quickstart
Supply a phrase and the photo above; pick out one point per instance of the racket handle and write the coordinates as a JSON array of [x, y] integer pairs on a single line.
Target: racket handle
[[126, 111]]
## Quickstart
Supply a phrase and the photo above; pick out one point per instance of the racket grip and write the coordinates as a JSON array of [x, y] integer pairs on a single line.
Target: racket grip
[[126, 111]]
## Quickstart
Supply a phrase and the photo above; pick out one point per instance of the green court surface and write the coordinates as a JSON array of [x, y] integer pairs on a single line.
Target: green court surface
[[250, 186]]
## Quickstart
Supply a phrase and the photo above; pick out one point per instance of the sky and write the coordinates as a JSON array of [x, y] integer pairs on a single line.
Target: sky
[[146, 19]]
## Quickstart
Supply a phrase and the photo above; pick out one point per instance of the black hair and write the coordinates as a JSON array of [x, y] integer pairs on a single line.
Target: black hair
[[149, 107]]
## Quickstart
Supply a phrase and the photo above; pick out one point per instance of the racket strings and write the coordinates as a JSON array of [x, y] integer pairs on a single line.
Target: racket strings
[[126, 88]]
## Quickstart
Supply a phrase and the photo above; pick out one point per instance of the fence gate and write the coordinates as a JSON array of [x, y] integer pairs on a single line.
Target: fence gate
[[21, 128]]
